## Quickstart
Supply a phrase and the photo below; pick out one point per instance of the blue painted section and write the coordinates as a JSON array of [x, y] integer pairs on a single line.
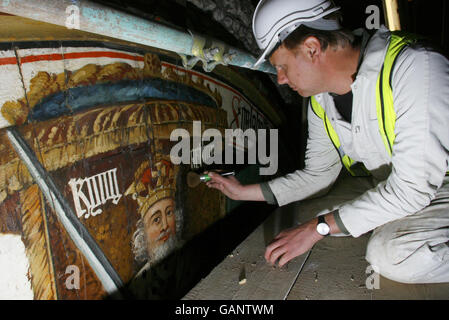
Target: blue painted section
[[85, 97]]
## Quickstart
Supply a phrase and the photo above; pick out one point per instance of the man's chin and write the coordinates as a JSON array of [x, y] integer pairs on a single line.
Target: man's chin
[[301, 92], [305, 93]]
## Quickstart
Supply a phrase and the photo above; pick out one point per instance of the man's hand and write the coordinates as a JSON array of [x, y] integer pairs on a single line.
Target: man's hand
[[230, 186], [233, 189], [293, 242]]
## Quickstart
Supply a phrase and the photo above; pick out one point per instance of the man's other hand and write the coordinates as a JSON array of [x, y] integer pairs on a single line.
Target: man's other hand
[[292, 242]]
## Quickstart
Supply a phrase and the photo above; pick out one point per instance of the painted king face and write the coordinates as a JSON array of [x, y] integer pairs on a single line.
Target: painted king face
[[160, 226]]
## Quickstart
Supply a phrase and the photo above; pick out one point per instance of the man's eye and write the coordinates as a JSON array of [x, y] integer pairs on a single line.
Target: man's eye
[[279, 69]]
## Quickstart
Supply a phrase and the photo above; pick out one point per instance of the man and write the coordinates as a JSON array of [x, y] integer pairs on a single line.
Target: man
[[380, 106]]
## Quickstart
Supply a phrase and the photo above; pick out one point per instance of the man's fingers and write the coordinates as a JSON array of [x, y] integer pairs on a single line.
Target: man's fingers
[[292, 243], [229, 186], [279, 249], [270, 248], [286, 257], [276, 254], [217, 178], [281, 252], [214, 185]]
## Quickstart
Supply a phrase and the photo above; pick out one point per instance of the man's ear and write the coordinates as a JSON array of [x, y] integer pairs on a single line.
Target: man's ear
[[312, 47]]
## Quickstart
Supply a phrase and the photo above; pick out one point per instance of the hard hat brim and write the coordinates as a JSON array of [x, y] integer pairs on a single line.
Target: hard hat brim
[[267, 50]]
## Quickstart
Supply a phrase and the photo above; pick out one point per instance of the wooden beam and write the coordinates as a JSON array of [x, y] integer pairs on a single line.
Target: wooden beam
[[391, 11]]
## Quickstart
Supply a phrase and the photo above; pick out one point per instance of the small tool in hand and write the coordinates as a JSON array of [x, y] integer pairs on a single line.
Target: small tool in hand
[[194, 179]]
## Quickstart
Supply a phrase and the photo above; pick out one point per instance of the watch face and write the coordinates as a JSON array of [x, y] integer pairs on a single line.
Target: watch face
[[323, 229]]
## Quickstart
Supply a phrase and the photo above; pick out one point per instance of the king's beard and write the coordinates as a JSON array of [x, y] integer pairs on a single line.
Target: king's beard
[[160, 252]]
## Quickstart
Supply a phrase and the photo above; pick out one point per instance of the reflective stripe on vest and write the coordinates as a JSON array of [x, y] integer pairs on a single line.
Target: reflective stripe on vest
[[356, 169], [386, 115]]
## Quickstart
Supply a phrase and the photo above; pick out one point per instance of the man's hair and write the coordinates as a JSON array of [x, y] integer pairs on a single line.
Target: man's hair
[[342, 37]]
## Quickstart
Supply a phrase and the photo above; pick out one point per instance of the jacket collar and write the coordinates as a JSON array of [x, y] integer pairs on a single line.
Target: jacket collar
[[374, 54]]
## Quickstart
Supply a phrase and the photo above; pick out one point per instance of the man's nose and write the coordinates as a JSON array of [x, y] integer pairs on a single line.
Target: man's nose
[[282, 78]]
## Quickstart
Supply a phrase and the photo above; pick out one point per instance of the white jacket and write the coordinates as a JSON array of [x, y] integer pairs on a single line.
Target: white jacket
[[410, 178]]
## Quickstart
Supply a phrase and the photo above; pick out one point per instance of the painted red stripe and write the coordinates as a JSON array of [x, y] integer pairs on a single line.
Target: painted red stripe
[[4, 61], [42, 57], [102, 54], [72, 55]]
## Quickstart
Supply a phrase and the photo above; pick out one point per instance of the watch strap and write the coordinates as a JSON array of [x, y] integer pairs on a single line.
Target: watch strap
[[321, 219]]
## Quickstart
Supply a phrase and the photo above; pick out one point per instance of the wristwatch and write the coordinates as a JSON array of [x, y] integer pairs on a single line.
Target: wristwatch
[[322, 227]]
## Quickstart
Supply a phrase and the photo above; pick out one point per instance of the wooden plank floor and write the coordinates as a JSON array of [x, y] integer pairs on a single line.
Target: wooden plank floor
[[336, 269], [245, 275]]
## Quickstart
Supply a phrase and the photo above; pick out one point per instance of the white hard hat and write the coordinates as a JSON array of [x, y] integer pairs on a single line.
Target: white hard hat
[[274, 20]]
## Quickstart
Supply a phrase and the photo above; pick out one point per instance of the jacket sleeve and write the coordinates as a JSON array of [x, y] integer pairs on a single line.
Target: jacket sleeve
[[322, 166], [421, 148]]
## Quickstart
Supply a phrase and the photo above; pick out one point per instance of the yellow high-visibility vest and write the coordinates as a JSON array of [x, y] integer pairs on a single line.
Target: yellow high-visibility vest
[[386, 116]]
